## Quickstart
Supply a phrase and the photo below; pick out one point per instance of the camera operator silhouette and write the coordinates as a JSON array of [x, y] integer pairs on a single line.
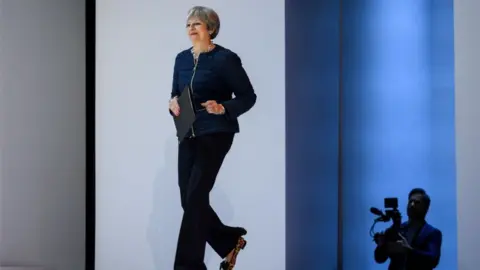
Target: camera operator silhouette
[[418, 244]]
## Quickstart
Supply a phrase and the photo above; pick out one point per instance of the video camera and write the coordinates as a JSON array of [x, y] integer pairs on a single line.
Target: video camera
[[391, 213]]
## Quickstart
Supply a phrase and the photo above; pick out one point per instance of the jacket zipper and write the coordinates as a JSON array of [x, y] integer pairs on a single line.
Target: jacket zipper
[[191, 89]]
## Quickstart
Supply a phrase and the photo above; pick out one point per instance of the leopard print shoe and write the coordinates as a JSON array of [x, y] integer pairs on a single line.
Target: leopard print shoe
[[229, 264]]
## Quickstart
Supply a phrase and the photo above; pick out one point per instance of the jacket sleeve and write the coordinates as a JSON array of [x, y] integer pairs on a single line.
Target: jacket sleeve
[[430, 256], [238, 81], [381, 251], [175, 92]]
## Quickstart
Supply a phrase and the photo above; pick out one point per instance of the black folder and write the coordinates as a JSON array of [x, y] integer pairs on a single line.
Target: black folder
[[184, 122]]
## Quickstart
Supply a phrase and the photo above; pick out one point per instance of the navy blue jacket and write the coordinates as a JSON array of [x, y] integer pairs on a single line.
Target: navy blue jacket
[[425, 254], [217, 75]]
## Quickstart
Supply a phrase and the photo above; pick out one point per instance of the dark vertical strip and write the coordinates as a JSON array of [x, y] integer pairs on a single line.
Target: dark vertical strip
[[90, 136], [312, 78], [340, 142]]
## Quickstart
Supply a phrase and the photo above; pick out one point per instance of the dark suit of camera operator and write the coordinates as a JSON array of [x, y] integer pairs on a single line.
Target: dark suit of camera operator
[[419, 244]]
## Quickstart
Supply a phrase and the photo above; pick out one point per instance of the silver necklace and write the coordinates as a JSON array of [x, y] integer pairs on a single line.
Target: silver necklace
[[195, 55]]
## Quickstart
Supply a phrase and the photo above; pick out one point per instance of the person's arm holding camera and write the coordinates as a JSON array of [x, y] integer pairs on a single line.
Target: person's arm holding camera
[[381, 251], [429, 257]]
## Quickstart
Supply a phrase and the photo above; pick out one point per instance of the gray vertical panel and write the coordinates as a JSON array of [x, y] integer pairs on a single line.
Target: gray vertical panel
[[467, 96], [43, 136]]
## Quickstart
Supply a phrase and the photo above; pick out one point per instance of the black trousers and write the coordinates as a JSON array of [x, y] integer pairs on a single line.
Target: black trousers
[[199, 161]]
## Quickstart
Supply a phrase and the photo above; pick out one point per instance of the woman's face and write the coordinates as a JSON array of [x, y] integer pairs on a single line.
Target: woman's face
[[197, 30]]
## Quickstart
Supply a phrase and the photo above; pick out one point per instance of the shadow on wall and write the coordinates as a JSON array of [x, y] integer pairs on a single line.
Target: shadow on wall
[[165, 219]]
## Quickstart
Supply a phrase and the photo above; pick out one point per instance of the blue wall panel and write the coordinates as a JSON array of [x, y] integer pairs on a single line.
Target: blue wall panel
[[398, 121], [312, 115]]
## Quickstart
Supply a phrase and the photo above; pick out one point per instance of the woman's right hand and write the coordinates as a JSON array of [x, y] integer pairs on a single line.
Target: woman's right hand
[[173, 106]]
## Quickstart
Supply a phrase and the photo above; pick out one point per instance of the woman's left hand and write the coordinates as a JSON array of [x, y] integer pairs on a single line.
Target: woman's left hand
[[213, 107]]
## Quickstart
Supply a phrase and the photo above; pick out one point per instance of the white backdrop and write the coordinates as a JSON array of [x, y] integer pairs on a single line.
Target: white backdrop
[[467, 98], [42, 133], [138, 204]]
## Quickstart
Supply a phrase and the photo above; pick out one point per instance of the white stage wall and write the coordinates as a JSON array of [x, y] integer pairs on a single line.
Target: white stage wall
[[467, 95], [138, 204]]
